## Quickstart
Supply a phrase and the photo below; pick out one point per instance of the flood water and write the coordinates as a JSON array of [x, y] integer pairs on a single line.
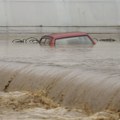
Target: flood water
[[60, 83]]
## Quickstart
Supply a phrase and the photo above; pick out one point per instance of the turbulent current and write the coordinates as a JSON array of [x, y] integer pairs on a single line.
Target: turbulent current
[[60, 83]]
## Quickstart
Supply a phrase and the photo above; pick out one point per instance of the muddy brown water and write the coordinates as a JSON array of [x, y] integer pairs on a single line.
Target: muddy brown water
[[79, 82]]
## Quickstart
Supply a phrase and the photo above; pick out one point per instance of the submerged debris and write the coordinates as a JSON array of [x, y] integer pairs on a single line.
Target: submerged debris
[[107, 40], [30, 39]]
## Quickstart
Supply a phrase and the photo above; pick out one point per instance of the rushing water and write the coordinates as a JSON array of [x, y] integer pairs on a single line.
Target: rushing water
[[60, 83]]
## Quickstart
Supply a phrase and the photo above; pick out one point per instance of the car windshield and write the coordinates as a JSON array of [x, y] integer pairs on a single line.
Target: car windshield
[[74, 40]]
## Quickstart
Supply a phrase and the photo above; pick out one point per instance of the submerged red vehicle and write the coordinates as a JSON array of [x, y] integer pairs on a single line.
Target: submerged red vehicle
[[71, 38]]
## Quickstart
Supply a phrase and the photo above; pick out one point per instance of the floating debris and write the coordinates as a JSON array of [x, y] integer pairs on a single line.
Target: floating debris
[[30, 39]]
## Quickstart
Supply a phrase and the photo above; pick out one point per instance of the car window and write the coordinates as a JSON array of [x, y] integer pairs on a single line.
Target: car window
[[74, 40], [45, 41]]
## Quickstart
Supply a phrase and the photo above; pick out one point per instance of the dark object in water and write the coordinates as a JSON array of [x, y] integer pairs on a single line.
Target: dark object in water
[[108, 39], [30, 39], [18, 41]]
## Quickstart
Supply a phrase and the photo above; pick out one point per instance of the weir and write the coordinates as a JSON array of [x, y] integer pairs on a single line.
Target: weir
[[68, 87]]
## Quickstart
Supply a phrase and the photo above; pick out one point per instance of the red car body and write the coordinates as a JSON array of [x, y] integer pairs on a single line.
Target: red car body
[[57, 36]]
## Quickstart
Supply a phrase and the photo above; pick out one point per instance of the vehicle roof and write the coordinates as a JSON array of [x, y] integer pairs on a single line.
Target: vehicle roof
[[67, 34]]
